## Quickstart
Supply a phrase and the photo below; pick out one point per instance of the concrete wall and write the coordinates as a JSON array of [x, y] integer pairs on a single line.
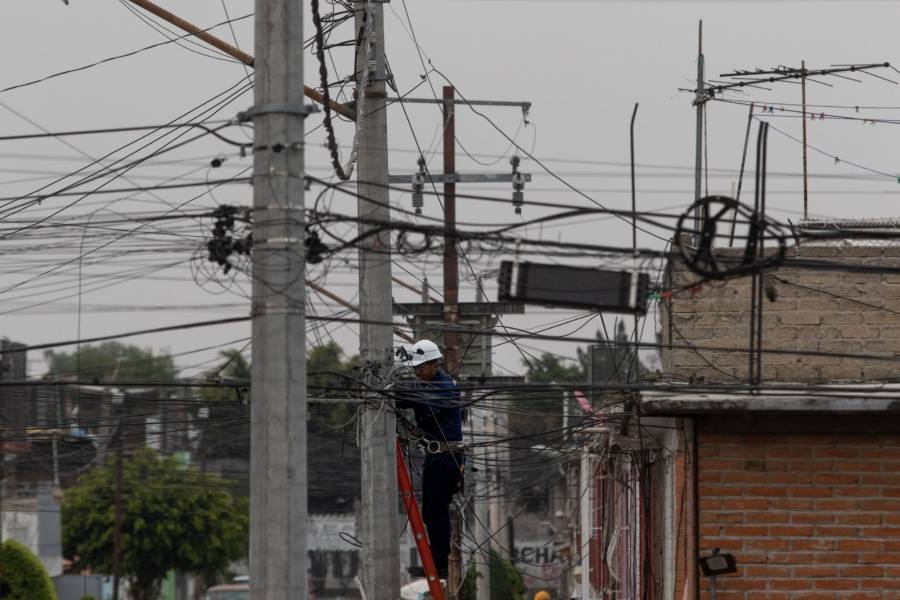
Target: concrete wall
[[35, 523], [814, 311], [76, 587], [813, 516]]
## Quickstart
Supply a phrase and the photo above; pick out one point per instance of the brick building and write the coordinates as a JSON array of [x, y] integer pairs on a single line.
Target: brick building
[[800, 480]]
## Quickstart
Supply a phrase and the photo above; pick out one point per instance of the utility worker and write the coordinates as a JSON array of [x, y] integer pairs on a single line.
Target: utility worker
[[434, 397]]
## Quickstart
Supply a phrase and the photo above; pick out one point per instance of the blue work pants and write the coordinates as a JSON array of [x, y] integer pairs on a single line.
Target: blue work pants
[[442, 477]]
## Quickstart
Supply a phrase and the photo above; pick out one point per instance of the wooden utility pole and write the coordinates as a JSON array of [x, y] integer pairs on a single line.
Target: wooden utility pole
[[278, 489], [451, 257], [379, 518], [451, 312], [452, 357]]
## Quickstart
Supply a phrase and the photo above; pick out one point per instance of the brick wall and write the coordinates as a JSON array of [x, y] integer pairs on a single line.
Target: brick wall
[[809, 517], [805, 316]]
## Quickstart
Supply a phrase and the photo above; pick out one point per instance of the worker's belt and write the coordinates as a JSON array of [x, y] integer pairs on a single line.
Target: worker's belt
[[417, 435]]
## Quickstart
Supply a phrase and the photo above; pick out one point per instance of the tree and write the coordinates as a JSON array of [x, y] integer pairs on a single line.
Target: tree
[[22, 576], [554, 368], [174, 518], [506, 582], [330, 375], [111, 361], [226, 432], [613, 362], [539, 414]]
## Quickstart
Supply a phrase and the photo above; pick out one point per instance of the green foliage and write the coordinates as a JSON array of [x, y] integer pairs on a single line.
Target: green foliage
[[22, 576], [540, 413], [174, 518], [506, 582], [611, 363], [227, 434], [554, 368], [88, 598], [111, 361], [235, 366], [329, 374]]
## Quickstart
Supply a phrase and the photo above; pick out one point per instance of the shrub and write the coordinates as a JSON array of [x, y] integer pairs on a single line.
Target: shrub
[[22, 576], [506, 582]]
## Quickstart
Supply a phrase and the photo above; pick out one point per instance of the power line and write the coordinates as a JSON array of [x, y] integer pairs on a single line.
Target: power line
[[117, 57]]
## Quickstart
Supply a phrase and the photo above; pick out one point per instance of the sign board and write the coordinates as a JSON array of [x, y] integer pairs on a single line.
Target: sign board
[[574, 287]]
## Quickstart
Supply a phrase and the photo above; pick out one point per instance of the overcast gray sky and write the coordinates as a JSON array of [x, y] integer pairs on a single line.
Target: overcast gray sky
[[583, 65]]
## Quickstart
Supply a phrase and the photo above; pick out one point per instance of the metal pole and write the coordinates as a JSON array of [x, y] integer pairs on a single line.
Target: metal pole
[[805, 174], [451, 260], [761, 252], [740, 184], [756, 288], [754, 279], [700, 101], [635, 359], [379, 518], [278, 489]]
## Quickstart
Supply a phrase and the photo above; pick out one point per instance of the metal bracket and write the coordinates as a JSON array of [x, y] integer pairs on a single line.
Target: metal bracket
[[301, 110], [461, 178]]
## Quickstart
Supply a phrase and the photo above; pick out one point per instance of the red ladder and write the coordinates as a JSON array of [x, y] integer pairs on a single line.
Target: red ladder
[[418, 527]]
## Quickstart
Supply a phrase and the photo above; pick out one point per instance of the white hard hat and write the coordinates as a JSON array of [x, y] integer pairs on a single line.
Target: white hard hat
[[425, 351]]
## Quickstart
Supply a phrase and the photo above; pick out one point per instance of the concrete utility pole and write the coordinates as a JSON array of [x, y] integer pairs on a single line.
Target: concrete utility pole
[[498, 429], [278, 489], [379, 519], [586, 505], [481, 493]]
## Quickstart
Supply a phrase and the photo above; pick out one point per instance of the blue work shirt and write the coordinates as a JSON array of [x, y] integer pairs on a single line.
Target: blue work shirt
[[436, 404]]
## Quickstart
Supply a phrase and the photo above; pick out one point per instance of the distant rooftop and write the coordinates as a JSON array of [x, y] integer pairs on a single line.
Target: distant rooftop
[[871, 227]]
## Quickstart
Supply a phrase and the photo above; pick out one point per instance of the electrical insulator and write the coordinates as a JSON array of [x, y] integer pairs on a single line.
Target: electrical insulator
[[418, 184], [518, 183]]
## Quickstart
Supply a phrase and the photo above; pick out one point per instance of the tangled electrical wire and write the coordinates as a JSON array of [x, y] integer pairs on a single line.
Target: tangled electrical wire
[[703, 259], [224, 241]]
